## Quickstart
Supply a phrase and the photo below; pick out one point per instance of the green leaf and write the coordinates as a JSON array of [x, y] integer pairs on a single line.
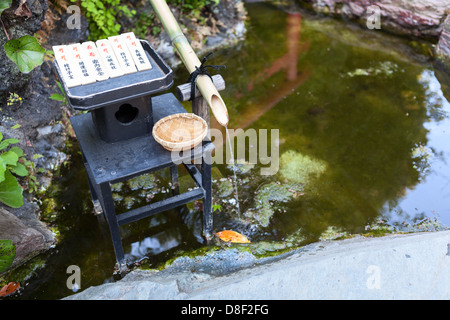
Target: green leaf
[[25, 52], [16, 126], [57, 97], [10, 158], [5, 143], [19, 169], [2, 170], [60, 88], [11, 191], [4, 4], [7, 254], [17, 151]]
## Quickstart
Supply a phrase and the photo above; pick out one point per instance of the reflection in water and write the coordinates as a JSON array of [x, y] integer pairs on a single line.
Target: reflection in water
[[361, 111], [429, 197], [154, 245], [287, 63]]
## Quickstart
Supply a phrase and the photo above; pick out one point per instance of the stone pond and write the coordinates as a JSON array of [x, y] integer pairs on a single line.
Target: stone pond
[[362, 118]]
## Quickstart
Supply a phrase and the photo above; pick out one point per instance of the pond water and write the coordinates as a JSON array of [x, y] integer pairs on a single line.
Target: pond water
[[359, 121]]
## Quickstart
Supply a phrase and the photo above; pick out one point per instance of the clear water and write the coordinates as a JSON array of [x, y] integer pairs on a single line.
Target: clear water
[[234, 171], [365, 112]]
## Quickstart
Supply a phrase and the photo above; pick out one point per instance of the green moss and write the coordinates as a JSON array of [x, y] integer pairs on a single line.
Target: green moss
[[117, 187], [300, 168], [224, 188], [267, 201], [49, 210], [243, 167], [333, 233], [145, 181], [128, 202], [202, 251], [23, 272]]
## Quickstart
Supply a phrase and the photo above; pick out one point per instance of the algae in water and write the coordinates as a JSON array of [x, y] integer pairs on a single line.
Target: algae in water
[[300, 168], [267, 199], [146, 182]]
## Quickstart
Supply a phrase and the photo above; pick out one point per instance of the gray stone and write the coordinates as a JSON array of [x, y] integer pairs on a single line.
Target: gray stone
[[420, 18], [443, 46], [148, 289], [399, 266], [29, 240]]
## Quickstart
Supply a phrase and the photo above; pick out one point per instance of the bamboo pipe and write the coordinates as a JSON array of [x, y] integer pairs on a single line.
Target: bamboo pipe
[[190, 60]]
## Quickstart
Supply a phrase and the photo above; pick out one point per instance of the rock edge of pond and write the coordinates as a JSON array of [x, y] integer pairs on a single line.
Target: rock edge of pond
[[396, 266], [426, 19]]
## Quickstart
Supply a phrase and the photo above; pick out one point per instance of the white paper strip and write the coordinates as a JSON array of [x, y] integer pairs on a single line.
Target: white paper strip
[[109, 58], [136, 51], [70, 74], [123, 55], [74, 52], [92, 58]]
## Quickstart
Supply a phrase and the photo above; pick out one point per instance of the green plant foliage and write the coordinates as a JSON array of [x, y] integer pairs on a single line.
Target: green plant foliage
[[59, 96], [4, 4], [102, 16], [13, 99], [25, 52], [12, 161], [7, 254], [146, 22], [193, 7], [11, 191]]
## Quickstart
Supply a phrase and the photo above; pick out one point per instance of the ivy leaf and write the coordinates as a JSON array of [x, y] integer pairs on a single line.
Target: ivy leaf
[[19, 169], [5, 143], [17, 151], [25, 52], [4, 4], [7, 254], [10, 158], [2, 170], [11, 191]]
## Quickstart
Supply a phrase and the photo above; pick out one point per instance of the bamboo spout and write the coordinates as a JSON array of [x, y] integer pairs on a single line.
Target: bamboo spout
[[190, 60]]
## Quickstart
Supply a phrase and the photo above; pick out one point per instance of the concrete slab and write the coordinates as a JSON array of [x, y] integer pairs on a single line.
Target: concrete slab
[[405, 266]]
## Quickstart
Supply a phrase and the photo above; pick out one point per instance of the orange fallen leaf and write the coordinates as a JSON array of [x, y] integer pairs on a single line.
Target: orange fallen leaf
[[232, 236], [8, 289]]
